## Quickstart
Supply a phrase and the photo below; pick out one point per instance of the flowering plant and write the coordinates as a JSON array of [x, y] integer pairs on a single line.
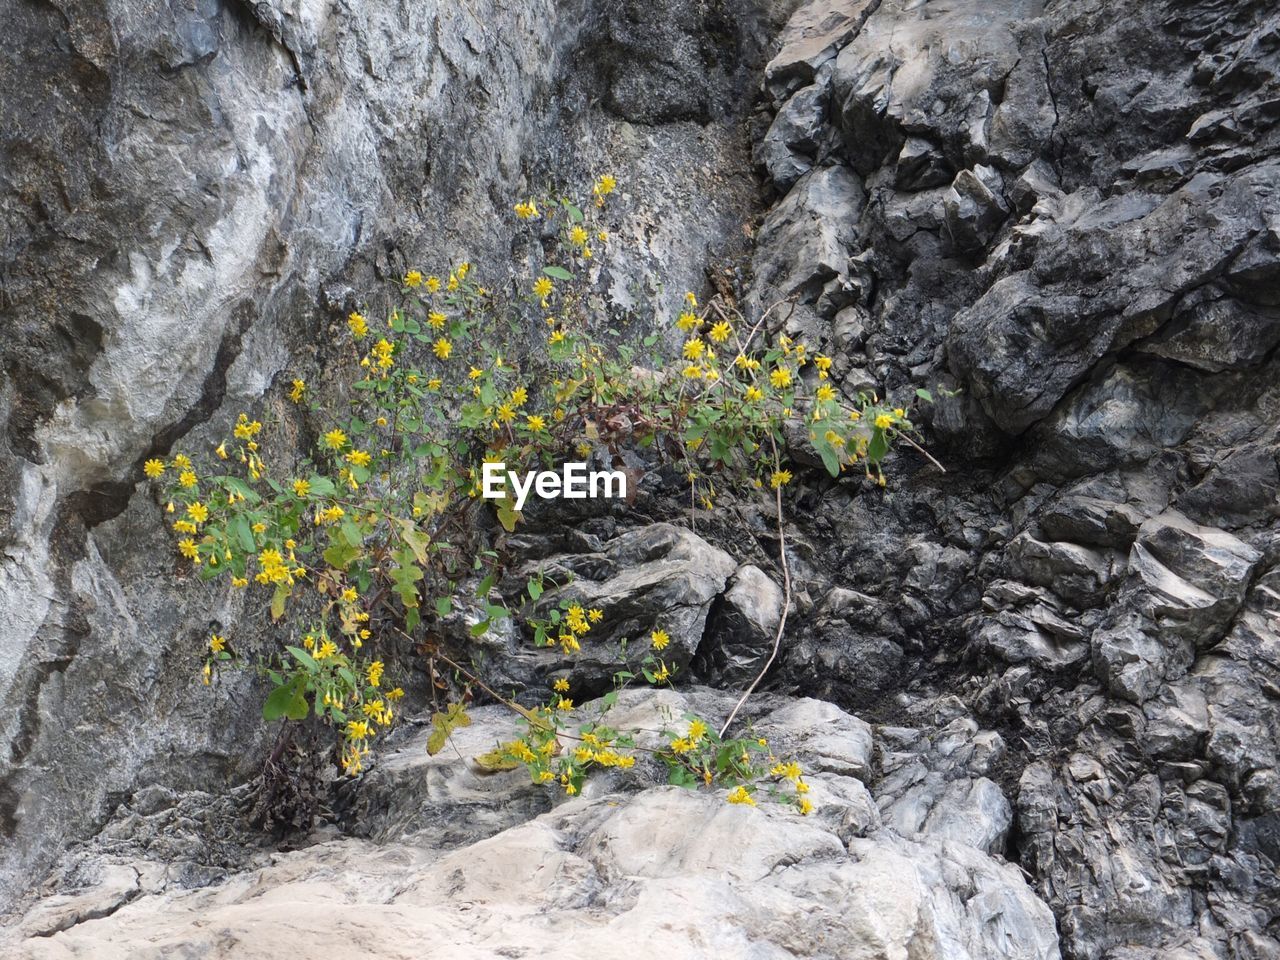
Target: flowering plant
[[382, 521]]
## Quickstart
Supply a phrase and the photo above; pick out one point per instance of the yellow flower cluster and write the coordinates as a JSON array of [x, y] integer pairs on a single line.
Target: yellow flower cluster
[[577, 623]]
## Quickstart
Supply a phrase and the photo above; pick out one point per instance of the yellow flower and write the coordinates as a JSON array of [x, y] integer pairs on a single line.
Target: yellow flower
[[413, 279], [187, 478], [739, 794], [335, 439], [536, 422], [207, 674], [603, 187], [518, 396], [433, 383], [697, 730], [433, 284], [327, 650], [475, 373], [375, 673], [806, 806], [692, 372], [259, 528], [217, 643], [301, 487], [826, 392], [221, 451], [660, 639], [358, 325], [239, 582], [780, 478], [357, 729], [436, 319], [542, 288], [884, 421], [184, 526], [578, 236], [360, 458], [299, 387], [442, 348], [694, 348], [720, 332], [526, 210], [754, 393], [561, 685], [556, 337], [564, 704], [780, 378], [153, 468], [594, 615], [188, 549], [198, 512], [899, 412], [687, 321]]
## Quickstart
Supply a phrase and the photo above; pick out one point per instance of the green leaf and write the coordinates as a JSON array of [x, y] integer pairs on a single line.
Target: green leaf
[[304, 658], [351, 533], [287, 701], [507, 514], [239, 528], [340, 555], [278, 599], [535, 590], [495, 761], [575, 215], [444, 724], [480, 629], [925, 395], [444, 606], [557, 273], [238, 486], [486, 586], [277, 702], [878, 447], [830, 460]]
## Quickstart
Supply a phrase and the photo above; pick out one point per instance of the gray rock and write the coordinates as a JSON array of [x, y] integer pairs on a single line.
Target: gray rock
[[794, 141], [1079, 575], [750, 877], [975, 208], [742, 626], [806, 240], [812, 37], [659, 577]]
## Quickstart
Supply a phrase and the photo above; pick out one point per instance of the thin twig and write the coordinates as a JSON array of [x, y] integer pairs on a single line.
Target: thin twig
[[786, 600], [919, 449]]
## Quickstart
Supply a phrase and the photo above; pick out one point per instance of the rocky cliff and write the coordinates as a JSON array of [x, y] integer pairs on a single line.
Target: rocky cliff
[[1064, 652]]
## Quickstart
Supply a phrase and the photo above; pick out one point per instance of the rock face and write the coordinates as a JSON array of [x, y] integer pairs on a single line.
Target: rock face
[[1061, 218], [190, 197], [595, 874], [1068, 214]]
